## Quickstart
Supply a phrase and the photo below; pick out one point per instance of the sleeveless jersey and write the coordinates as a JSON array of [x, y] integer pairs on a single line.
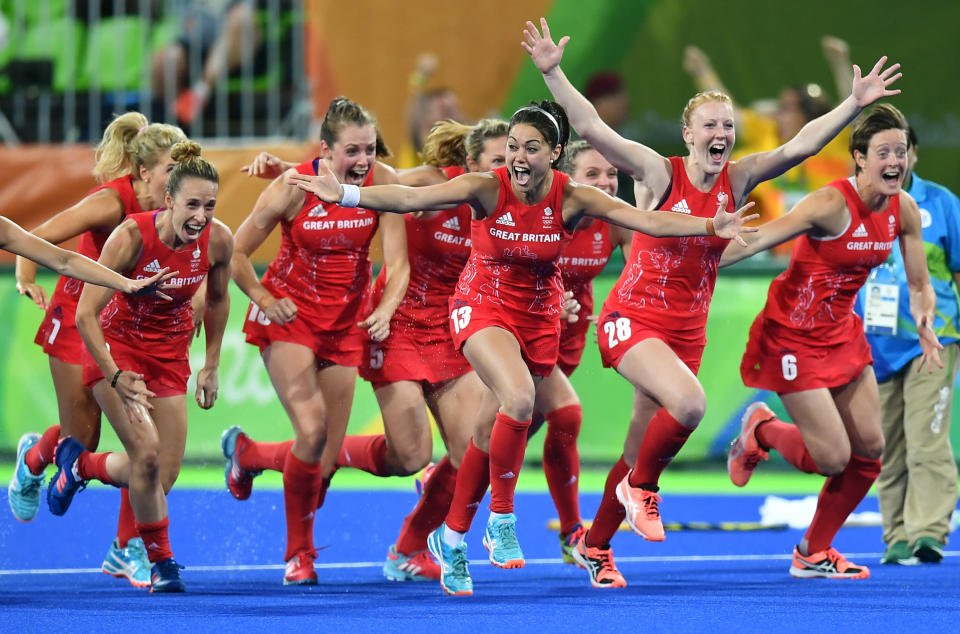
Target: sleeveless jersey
[[811, 303], [584, 258], [157, 327], [437, 248], [67, 292], [323, 263], [513, 266], [667, 283]]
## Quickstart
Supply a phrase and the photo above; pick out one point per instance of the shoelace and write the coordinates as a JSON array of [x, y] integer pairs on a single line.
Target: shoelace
[[651, 502], [605, 558], [753, 459], [458, 564], [508, 535], [30, 485]]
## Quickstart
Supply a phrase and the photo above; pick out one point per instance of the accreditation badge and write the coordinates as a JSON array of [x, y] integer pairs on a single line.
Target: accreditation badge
[[880, 309]]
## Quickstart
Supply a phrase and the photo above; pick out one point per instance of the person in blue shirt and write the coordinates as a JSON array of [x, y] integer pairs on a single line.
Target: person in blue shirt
[[917, 488]]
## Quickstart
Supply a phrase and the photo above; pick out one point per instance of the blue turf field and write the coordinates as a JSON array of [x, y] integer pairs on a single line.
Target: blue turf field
[[695, 581]]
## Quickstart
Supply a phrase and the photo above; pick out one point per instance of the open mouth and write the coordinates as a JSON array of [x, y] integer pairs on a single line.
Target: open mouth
[[194, 229], [521, 175], [716, 152], [356, 176], [892, 177]]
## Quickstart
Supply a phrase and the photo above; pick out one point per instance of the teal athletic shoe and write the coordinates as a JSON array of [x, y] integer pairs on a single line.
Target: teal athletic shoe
[[65, 482], [128, 563], [500, 539], [165, 576], [454, 571], [24, 490], [419, 566]]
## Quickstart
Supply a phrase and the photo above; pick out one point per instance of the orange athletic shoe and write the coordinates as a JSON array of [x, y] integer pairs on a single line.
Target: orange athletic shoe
[[745, 452], [828, 564], [300, 570], [599, 563], [643, 512]]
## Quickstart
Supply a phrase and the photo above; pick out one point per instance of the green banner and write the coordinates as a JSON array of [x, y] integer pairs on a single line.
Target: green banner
[[27, 401]]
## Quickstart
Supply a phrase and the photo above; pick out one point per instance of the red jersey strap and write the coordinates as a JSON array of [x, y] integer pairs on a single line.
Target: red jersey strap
[[452, 171], [124, 188]]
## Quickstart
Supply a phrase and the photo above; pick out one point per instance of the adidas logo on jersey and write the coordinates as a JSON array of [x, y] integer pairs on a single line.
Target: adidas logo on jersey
[[681, 207], [861, 232], [506, 219], [453, 224], [317, 212], [153, 267]]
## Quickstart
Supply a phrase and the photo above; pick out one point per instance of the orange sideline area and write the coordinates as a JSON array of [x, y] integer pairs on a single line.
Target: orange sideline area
[[36, 182]]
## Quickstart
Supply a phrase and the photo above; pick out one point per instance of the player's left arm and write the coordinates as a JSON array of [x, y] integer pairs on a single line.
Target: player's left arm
[[923, 299], [220, 252]]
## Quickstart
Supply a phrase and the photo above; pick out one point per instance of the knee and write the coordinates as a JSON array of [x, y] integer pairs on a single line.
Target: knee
[[413, 458], [312, 436], [146, 460], [168, 477], [518, 403], [690, 409], [832, 462]]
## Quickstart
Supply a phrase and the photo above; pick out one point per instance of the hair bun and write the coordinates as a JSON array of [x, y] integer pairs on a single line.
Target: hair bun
[[185, 150]]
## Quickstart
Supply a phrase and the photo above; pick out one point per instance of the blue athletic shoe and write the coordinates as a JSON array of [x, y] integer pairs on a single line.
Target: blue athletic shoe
[[24, 490], [165, 576], [66, 482], [500, 539], [129, 563], [454, 571]]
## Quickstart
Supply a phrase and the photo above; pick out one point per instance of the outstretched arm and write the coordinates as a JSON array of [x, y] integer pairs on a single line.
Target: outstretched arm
[[27, 245], [637, 160], [480, 191], [586, 200], [837, 53], [751, 170]]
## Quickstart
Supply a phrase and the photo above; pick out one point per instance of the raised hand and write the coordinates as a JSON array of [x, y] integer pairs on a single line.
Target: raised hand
[[324, 186], [730, 225], [545, 54], [152, 285], [265, 165], [874, 86]]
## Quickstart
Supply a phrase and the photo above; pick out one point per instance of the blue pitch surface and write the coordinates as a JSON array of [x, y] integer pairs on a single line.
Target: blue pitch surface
[[694, 581]]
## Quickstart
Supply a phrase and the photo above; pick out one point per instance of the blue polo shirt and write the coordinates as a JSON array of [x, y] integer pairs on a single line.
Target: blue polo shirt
[[940, 217]]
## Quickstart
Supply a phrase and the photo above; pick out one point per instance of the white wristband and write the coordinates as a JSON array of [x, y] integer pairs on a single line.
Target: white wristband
[[351, 196]]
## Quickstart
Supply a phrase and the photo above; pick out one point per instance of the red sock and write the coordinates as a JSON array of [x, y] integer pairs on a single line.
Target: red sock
[[838, 497], [473, 478], [367, 453], [260, 456], [788, 440], [429, 512], [126, 522], [156, 539], [324, 487], [41, 454], [93, 466], [508, 442], [301, 488], [663, 440], [611, 513], [561, 463]]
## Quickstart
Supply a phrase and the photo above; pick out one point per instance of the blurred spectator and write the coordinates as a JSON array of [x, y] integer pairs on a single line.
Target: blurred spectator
[[765, 126], [426, 106], [227, 36], [917, 487]]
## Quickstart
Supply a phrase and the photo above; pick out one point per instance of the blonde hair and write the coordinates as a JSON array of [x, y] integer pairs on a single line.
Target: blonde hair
[[131, 141], [189, 165], [451, 143], [701, 98]]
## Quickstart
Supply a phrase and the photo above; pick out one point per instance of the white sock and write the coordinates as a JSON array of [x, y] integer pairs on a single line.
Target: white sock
[[495, 516], [452, 537]]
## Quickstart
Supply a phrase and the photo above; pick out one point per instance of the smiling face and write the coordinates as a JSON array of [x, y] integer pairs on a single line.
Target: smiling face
[[191, 208], [711, 135], [353, 153], [492, 156], [885, 164], [529, 156], [590, 168]]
